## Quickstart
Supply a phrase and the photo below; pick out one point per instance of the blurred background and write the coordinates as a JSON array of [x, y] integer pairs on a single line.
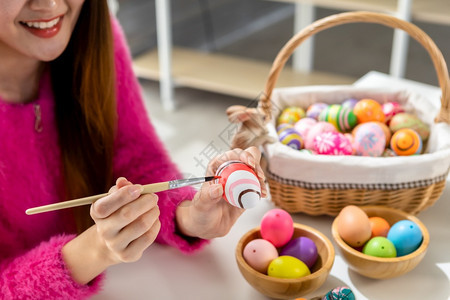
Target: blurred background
[[223, 50]]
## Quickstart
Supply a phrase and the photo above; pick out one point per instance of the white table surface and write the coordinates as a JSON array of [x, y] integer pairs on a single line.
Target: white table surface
[[212, 274]]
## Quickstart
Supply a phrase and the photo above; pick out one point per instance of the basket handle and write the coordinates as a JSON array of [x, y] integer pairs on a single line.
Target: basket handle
[[364, 17]]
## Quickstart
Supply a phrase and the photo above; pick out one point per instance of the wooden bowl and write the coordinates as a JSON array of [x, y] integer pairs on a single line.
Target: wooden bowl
[[379, 267], [282, 288]]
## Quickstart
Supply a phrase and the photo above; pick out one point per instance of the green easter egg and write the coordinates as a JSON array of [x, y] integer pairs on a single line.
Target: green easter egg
[[380, 246], [286, 266]]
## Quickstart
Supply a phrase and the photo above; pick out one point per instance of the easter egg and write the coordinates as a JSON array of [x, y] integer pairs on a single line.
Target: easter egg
[[277, 227], [313, 111], [287, 267], [291, 138], [240, 184], [315, 130], [332, 143], [367, 110], [258, 253], [350, 103], [369, 140], [353, 226], [406, 142], [379, 226], [406, 120], [307, 151], [283, 126], [388, 152], [380, 246], [291, 115], [342, 118], [304, 125], [302, 248], [340, 293], [390, 109], [406, 236], [386, 130]]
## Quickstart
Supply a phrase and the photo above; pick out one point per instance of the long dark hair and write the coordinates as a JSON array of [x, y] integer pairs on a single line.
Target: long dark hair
[[83, 82]]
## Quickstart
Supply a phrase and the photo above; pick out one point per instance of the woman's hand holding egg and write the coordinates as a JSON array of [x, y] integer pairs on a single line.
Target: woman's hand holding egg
[[208, 215]]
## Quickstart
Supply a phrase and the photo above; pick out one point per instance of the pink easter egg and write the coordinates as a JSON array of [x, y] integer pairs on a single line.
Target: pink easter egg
[[277, 227], [390, 109], [304, 125], [332, 143], [369, 140], [315, 130], [259, 253]]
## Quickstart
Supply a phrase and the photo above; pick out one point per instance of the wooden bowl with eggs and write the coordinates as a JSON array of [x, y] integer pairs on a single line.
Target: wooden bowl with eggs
[[288, 288], [382, 267]]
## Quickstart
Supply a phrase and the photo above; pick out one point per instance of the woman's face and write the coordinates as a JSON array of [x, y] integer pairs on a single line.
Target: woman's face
[[37, 29]]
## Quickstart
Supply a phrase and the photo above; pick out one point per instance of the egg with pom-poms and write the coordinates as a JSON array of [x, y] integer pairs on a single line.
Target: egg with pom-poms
[[313, 111], [291, 115], [341, 117], [368, 110], [291, 138], [315, 130], [304, 125], [369, 140], [240, 184], [406, 142], [332, 143], [390, 109]]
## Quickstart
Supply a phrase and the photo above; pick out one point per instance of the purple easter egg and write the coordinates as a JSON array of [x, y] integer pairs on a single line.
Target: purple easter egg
[[291, 138], [302, 248], [350, 103]]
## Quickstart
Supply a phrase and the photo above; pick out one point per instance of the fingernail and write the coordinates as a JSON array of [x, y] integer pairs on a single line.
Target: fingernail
[[135, 190]]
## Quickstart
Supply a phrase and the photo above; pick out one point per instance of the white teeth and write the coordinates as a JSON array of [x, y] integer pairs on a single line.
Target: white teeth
[[43, 25]]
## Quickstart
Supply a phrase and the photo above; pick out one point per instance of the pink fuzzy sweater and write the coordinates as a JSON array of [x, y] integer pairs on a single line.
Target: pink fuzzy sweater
[[31, 265]]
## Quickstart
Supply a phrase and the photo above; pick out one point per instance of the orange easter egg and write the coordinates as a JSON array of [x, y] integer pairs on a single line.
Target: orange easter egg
[[367, 110], [406, 142], [380, 227]]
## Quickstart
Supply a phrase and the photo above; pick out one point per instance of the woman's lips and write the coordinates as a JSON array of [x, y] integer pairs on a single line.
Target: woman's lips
[[44, 29]]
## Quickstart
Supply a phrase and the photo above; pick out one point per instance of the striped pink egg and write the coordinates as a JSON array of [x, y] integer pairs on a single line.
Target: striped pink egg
[[240, 184]]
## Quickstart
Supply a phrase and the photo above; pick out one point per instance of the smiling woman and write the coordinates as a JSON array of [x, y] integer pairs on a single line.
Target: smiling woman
[[73, 124], [44, 28]]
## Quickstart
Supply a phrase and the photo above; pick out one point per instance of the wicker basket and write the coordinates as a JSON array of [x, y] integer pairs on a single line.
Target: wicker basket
[[329, 199]]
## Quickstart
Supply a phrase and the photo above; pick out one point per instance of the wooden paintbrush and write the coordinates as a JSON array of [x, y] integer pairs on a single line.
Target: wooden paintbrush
[[148, 188]]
